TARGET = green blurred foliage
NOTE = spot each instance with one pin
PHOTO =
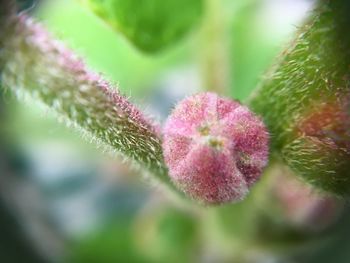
(248, 225)
(165, 235)
(151, 25)
(252, 50)
(111, 244)
(106, 51)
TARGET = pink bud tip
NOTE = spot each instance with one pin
(215, 148)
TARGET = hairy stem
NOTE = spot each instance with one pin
(305, 100)
(35, 64)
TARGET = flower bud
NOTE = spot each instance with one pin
(215, 148)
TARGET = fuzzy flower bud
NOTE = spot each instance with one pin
(215, 148)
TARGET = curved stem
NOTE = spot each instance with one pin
(37, 65)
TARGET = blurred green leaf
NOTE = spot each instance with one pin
(150, 25)
(107, 52)
(252, 49)
(112, 244)
(167, 235)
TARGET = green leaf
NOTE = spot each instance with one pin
(151, 25)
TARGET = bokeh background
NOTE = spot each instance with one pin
(64, 200)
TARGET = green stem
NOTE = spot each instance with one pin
(214, 62)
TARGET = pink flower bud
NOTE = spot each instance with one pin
(215, 148)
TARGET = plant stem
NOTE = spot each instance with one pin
(305, 100)
(214, 62)
(38, 66)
